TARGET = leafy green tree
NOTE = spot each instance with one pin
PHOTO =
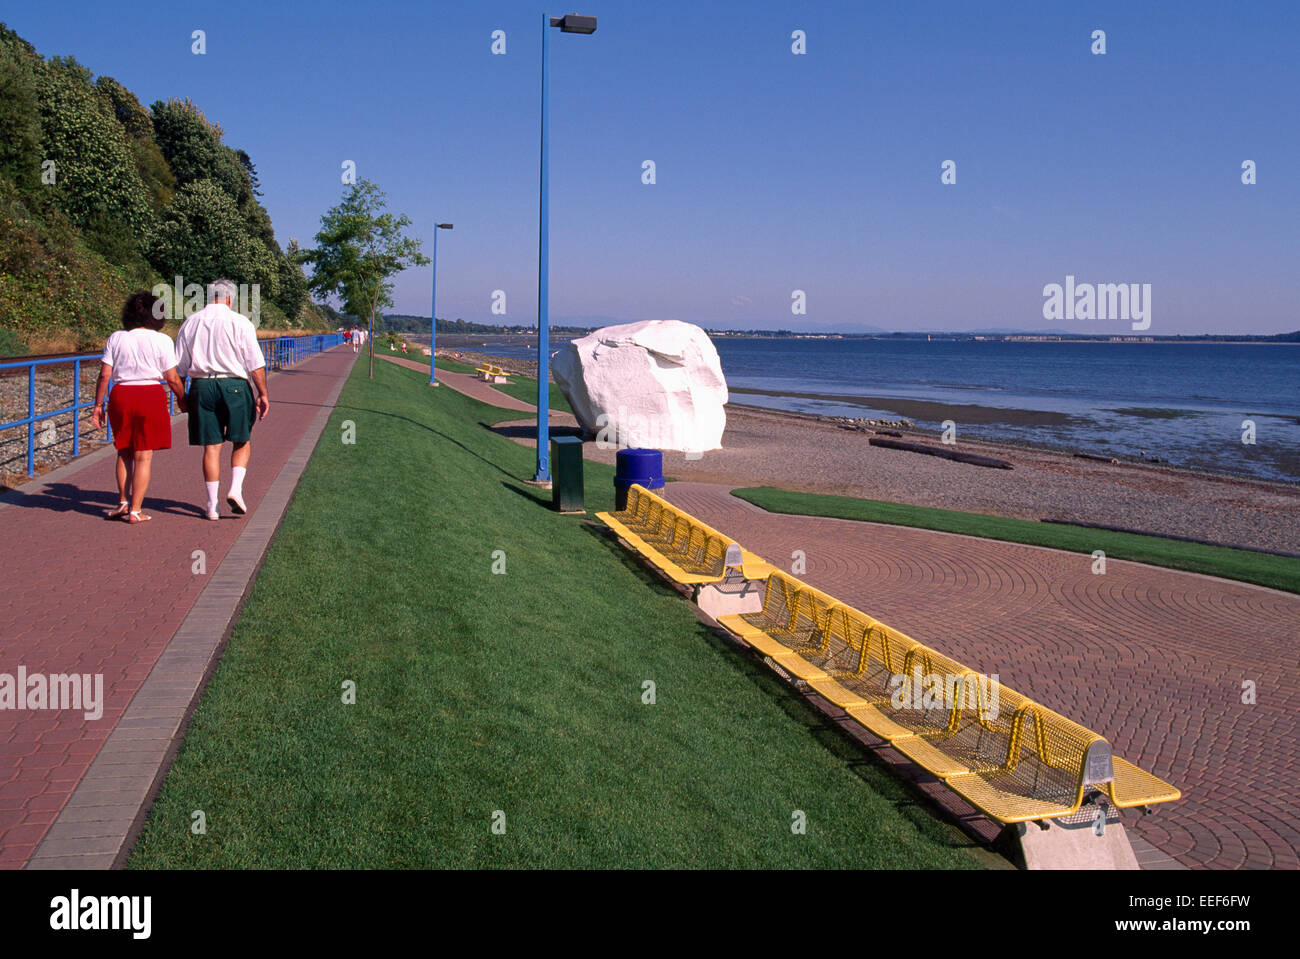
(359, 248)
(96, 175)
(201, 237)
(293, 284)
(193, 149)
(138, 124)
(20, 114)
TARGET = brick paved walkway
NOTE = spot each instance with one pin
(81, 595)
(1153, 659)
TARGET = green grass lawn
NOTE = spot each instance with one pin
(478, 692)
(1280, 572)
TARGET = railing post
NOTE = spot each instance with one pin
(76, 407)
(31, 420)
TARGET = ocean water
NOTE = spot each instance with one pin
(1179, 403)
(1182, 403)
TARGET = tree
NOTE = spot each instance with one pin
(20, 116)
(293, 285)
(201, 238)
(193, 149)
(359, 248)
(96, 171)
(135, 120)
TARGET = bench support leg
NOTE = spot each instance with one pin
(1064, 847)
(715, 602)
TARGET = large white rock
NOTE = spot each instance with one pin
(656, 385)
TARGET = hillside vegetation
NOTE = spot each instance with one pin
(100, 197)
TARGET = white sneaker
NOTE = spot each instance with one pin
(212, 514)
(236, 501)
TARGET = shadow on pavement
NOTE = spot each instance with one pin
(66, 498)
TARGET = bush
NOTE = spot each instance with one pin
(50, 280)
(11, 344)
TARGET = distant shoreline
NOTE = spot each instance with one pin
(997, 426)
(1107, 339)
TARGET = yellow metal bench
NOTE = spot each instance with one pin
(686, 550)
(1010, 757)
(792, 618)
(492, 374)
(1051, 766)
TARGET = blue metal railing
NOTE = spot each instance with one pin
(279, 352)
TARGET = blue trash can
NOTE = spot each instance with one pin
(643, 467)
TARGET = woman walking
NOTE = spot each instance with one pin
(141, 358)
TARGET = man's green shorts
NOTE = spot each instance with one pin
(221, 409)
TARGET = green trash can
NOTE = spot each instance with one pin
(566, 474)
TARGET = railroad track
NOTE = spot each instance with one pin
(21, 371)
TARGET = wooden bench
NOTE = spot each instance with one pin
(1011, 758)
(685, 550)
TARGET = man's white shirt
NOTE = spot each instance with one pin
(217, 341)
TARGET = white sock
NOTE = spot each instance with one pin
(212, 496)
(237, 479)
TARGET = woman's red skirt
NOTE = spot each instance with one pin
(138, 414)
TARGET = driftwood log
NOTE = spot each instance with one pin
(943, 452)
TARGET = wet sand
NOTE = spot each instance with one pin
(965, 413)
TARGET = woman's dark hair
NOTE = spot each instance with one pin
(140, 311)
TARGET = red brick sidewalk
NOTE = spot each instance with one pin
(1153, 659)
(81, 595)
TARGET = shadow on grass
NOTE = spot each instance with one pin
(534, 494)
(521, 432)
(430, 429)
(625, 558)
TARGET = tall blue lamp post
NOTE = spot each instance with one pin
(433, 307)
(570, 23)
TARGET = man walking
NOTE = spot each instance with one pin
(217, 348)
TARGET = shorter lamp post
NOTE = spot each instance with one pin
(433, 307)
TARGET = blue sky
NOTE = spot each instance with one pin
(775, 171)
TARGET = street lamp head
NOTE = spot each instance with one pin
(443, 226)
(572, 23)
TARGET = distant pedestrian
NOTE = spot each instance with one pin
(139, 358)
(356, 339)
(218, 349)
